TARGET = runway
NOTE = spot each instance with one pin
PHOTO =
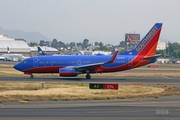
(146, 80)
(147, 109)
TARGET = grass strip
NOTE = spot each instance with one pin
(54, 91)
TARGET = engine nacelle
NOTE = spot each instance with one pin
(67, 72)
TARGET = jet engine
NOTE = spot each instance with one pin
(67, 72)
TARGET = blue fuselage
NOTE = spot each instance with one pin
(52, 64)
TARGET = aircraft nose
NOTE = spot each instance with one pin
(17, 66)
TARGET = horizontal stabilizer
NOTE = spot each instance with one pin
(150, 57)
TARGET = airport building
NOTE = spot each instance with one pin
(15, 46)
(162, 45)
(19, 46)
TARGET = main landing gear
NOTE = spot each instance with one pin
(88, 76)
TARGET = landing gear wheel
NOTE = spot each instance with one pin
(32, 76)
(88, 76)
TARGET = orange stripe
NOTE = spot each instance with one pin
(150, 53)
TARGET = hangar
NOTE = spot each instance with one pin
(19, 46)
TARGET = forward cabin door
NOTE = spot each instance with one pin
(35, 62)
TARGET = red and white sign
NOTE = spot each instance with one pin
(111, 86)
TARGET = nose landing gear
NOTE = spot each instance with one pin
(32, 76)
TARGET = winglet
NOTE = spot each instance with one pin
(113, 57)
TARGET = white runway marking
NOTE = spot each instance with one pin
(167, 77)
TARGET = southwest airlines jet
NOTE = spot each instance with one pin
(73, 65)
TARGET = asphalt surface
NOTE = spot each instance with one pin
(167, 108)
(146, 80)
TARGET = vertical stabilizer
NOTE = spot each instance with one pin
(147, 46)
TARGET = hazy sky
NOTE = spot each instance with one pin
(97, 20)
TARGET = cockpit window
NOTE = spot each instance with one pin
(24, 61)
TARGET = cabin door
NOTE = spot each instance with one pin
(35, 62)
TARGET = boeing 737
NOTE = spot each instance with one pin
(73, 65)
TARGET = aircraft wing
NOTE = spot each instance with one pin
(88, 66)
(150, 57)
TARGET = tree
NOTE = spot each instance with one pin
(100, 44)
(33, 44)
(173, 50)
(175, 53)
(96, 43)
(162, 52)
(61, 44)
(122, 44)
(85, 43)
(54, 43)
(72, 44)
(41, 43)
(104, 48)
(79, 44)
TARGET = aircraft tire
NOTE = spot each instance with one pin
(31, 77)
(88, 76)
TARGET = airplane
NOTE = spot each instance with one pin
(41, 52)
(5, 58)
(11, 57)
(2, 58)
(73, 65)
